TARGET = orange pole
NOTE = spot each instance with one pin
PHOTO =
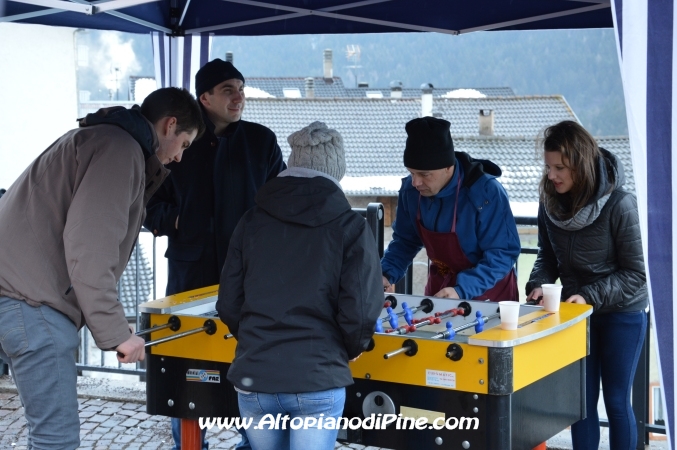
(190, 435)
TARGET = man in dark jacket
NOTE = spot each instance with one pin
(200, 203)
(202, 200)
(301, 291)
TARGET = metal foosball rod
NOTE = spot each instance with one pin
(174, 324)
(209, 328)
(414, 326)
(449, 334)
(426, 306)
(477, 323)
(409, 348)
(463, 309)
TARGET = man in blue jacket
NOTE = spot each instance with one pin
(453, 205)
(203, 199)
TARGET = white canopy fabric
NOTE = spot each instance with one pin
(177, 59)
(647, 51)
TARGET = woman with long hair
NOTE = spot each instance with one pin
(589, 238)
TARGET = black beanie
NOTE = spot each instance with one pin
(215, 72)
(429, 145)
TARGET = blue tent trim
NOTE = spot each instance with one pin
(254, 18)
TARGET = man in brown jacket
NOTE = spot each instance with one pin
(69, 224)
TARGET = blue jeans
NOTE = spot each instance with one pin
(39, 345)
(615, 344)
(297, 407)
(176, 434)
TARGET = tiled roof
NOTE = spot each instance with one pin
(276, 85)
(373, 129)
(518, 158)
(127, 286)
(437, 92)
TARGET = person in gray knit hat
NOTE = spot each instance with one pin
(317, 148)
(301, 263)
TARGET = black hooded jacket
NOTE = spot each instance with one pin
(209, 191)
(301, 288)
(599, 257)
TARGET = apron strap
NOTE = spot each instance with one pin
(458, 188)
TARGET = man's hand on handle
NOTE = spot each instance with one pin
(132, 350)
(387, 287)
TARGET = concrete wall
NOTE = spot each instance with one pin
(38, 100)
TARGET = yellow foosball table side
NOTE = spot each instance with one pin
(512, 389)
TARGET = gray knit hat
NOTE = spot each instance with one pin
(319, 148)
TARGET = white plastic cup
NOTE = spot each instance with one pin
(510, 312)
(552, 296)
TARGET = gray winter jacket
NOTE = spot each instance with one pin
(597, 255)
(70, 221)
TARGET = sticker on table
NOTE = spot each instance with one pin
(440, 378)
(203, 376)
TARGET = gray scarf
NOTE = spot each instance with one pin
(591, 211)
(583, 218)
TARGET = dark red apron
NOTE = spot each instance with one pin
(447, 259)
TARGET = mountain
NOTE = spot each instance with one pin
(582, 65)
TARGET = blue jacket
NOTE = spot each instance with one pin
(210, 190)
(484, 224)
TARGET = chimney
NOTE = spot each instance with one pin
(229, 57)
(426, 100)
(310, 87)
(486, 122)
(396, 89)
(328, 66)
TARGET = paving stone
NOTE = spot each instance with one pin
(151, 446)
(124, 438)
(112, 421)
(147, 424)
(132, 406)
(92, 437)
(129, 423)
(141, 416)
(134, 431)
(95, 408)
(96, 402)
(98, 418)
(88, 425)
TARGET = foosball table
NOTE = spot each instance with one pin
(443, 372)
